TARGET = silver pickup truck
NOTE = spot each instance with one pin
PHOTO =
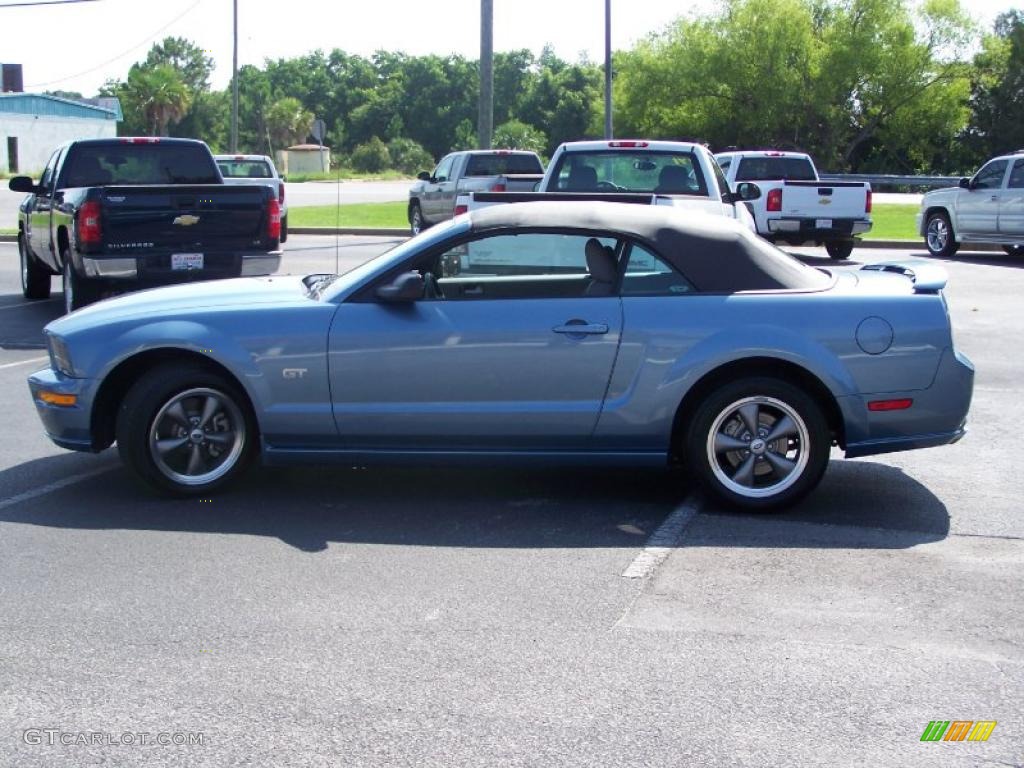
(432, 198)
(987, 208)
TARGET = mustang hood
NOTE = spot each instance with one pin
(189, 297)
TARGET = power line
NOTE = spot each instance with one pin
(44, 2)
(120, 55)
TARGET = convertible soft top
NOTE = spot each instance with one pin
(716, 254)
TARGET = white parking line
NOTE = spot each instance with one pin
(54, 486)
(664, 540)
(27, 304)
(23, 362)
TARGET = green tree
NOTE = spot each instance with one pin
(158, 97)
(288, 122)
(409, 157)
(997, 103)
(371, 157)
(517, 135)
(190, 61)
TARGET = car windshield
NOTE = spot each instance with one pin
(245, 169)
(124, 163)
(771, 168)
(660, 172)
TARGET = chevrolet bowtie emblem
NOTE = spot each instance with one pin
(825, 200)
(186, 221)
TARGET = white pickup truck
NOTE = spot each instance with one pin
(987, 208)
(795, 206)
(676, 173)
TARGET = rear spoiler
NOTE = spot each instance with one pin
(926, 276)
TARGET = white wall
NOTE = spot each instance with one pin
(39, 135)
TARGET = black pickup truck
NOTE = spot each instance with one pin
(119, 214)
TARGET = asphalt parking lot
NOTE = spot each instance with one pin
(443, 617)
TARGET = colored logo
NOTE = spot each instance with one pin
(958, 730)
(825, 201)
(186, 221)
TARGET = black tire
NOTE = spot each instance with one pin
(1014, 250)
(802, 447)
(416, 221)
(146, 419)
(77, 292)
(839, 250)
(35, 278)
(284, 229)
(938, 236)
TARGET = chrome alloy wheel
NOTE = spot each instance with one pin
(197, 436)
(758, 447)
(937, 234)
(23, 255)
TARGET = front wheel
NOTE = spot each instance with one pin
(185, 430)
(758, 444)
(416, 221)
(35, 278)
(938, 236)
(1014, 250)
(839, 249)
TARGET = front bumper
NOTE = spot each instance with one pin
(938, 415)
(68, 426)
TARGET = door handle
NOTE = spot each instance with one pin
(581, 328)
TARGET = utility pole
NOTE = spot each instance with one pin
(608, 69)
(234, 87)
(485, 122)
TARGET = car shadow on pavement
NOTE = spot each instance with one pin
(22, 324)
(309, 508)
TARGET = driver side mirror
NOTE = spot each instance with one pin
(965, 183)
(23, 184)
(748, 191)
(406, 287)
(423, 175)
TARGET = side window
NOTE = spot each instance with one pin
(444, 169)
(991, 175)
(1017, 175)
(648, 275)
(723, 183)
(46, 180)
(527, 265)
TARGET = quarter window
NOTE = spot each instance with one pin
(649, 275)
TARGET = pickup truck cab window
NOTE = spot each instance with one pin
(94, 165)
(668, 173)
(444, 169)
(46, 180)
(502, 164)
(991, 175)
(1017, 175)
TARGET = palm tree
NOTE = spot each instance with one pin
(160, 95)
(288, 121)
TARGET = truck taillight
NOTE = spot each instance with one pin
(274, 220)
(141, 140)
(774, 199)
(867, 202)
(90, 230)
(280, 193)
(499, 187)
(461, 209)
(627, 144)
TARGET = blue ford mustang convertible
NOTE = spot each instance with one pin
(544, 332)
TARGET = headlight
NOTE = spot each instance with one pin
(60, 358)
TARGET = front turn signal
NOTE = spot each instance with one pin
(56, 398)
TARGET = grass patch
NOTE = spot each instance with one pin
(347, 174)
(893, 221)
(350, 215)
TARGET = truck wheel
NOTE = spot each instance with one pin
(77, 292)
(416, 222)
(938, 236)
(1014, 250)
(35, 278)
(185, 430)
(758, 444)
(839, 249)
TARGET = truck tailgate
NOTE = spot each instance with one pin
(824, 200)
(207, 217)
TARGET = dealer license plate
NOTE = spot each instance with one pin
(186, 261)
(823, 223)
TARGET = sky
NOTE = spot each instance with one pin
(79, 47)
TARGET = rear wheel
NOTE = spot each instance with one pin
(77, 292)
(185, 430)
(1014, 250)
(416, 222)
(35, 278)
(758, 444)
(284, 229)
(839, 249)
(938, 236)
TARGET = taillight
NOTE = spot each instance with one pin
(141, 140)
(280, 193)
(867, 202)
(890, 405)
(499, 187)
(774, 199)
(90, 231)
(274, 220)
(461, 209)
(627, 144)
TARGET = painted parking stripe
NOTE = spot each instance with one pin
(24, 362)
(25, 304)
(51, 487)
(663, 540)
